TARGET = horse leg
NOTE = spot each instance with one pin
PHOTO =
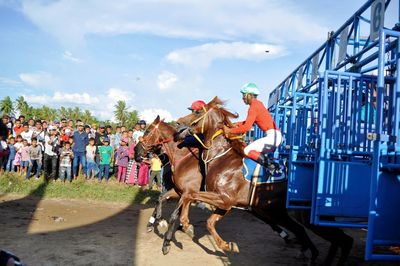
(282, 233)
(184, 217)
(337, 238)
(286, 221)
(214, 218)
(156, 215)
(171, 230)
(334, 235)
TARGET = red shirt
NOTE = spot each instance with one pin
(18, 130)
(257, 114)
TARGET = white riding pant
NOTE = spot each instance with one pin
(269, 143)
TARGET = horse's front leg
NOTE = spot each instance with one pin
(156, 215)
(171, 229)
(211, 222)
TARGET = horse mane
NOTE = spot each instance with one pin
(237, 144)
(218, 104)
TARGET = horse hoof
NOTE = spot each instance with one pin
(190, 231)
(234, 247)
(163, 223)
(165, 249)
(149, 229)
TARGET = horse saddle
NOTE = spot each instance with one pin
(258, 174)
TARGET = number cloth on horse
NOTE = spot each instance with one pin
(254, 172)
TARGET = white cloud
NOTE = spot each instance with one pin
(63, 98)
(259, 20)
(68, 56)
(38, 79)
(203, 55)
(101, 106)
(116, 94)
(150, 114)
(166, 80)
(113, 95)
(9, 82)
(78, 98)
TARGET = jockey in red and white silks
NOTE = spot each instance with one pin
(259, 115)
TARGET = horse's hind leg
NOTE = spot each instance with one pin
(184, 217)
(337, 238)
(282, 233)
(156, 215)
(286, 221)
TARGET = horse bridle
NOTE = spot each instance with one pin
(161, 139)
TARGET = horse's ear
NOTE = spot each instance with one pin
(163, 119)
(214, 100)
(157, 119)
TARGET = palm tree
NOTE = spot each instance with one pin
(21, 105)
(70, 113)
(6, 106)
(120, 112)
(63, 113)
(87, 117)
(132, 119)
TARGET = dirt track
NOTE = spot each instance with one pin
(69, 232)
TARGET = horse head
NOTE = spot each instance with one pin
(157, 133)
(212, 117)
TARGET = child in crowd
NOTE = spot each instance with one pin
(35, 158)
(123, 157)
(66, 156)
(106, 153)
(11, 156)
(155, 172)
(4, 152)
(92, 168)
(17, 160)
(24, 157)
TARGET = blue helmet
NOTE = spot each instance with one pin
(250, 88)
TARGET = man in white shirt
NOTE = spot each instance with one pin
(27, 133)
(50, 155)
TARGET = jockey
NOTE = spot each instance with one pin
(191, 141)
(259, 115)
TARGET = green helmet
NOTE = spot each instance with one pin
(250, 88)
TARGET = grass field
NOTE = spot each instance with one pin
(78, 189)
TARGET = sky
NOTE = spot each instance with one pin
(158, 56)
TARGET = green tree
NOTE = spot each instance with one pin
(132, 119)
(6, 106)
(87, 117)
(62, 112)
(120, 112)
(22, 106)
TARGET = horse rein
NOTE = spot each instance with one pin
(163, 142)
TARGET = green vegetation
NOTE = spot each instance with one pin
(79, 189)
(20, 106)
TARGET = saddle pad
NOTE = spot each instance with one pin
(254, 172)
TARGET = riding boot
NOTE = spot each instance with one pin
(263, 160)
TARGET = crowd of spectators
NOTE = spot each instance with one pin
(66, 150)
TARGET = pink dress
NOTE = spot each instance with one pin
(132, 166)
(143, 176)
(17, 159)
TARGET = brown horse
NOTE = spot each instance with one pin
(227, 188)
(186, 178)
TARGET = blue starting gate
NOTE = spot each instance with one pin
(341, 126)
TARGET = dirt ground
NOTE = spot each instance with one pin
(71, 232)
